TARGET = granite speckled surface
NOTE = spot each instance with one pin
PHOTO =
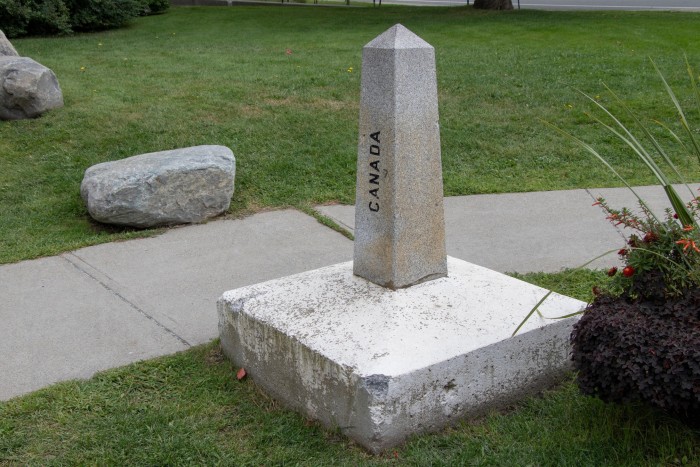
(399, 219)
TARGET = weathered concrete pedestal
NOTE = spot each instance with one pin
(382, 365)
(402, 340)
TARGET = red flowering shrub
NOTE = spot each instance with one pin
(662, 258)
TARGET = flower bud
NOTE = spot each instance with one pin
(650, 237)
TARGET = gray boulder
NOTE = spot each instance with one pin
(161, 188)
(6, 47)
(27, 88)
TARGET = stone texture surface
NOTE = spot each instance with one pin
(27, 88)
(381, 365)
(6, 47)
(400, 235)
(161, 188)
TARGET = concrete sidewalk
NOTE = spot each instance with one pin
(73, 315)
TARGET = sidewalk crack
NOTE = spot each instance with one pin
(76, 261)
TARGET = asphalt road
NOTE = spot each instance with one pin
(668, 5)
(675, 5)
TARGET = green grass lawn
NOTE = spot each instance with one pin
(189, 409)
(221, 76)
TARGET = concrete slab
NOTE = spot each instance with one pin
(523, 232)
(381, 365)
(178, 276)
(59, 324)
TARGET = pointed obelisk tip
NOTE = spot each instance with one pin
(399, 218)
(398, 37)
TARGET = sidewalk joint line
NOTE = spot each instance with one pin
(71, 258)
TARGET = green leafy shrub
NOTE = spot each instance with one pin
(155, 7)
(50, 17)
(95, 15)
(14, 17)
(639, 349)
(47, 17)
(36, 17)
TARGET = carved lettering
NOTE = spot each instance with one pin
(374, 150)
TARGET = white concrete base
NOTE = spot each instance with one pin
(382, 365)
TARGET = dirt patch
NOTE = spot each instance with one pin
(215, 356)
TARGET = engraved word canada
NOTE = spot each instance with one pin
(374, 153)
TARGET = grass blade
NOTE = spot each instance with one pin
(595, 153)
(644, 154)
(696, 93)
(679, 109)
(684, 147)
(550, 292)
(641, 152)
(534, 309)
(693, 83)
(678, 206)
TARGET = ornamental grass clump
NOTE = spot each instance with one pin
(639, 339)
(662, 255)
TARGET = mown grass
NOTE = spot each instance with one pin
(222, 76)
(189, 408)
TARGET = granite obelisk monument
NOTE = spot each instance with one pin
(399, 216)
(390, 344)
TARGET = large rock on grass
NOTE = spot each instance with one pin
(161, 188)
(6, 47)
(27, 88)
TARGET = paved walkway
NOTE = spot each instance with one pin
(81, 312)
